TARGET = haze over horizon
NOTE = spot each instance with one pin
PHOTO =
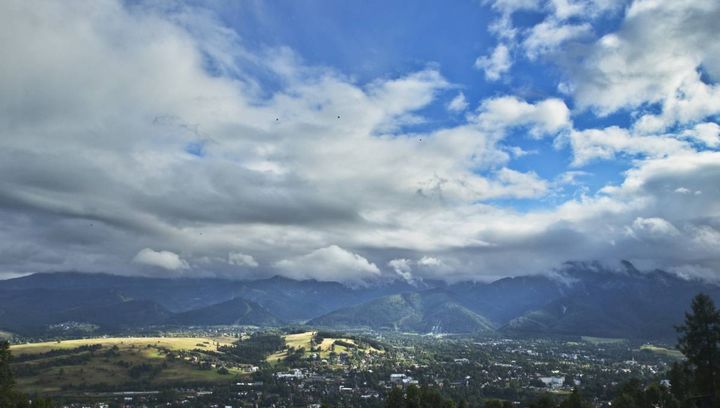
(328, 141)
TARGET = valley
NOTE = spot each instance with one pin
(224, 365)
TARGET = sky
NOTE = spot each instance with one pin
(358, 141)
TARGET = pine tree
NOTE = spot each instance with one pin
(412, 398)
(7, 383)
(395, 399)
(680, 376)
(699, 343)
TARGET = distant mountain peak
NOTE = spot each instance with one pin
(629, 267)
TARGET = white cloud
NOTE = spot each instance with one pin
(240, 259)
(161, 259)
(591, 144)
(654, 57)
(517, 151)
(547, 36)
(268, 179)
(435, 267)
(426, 266)
(331, 263)
(693, 100)
(402, 267)
(511, 6)
(566, 9)
(96, 172)
(495, 64)
(653, 228)
(570, 177)
(707, 133)
(458, 103)
(544, 117)
(564, 20)
(429, 261)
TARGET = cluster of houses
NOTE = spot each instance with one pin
(402, 379)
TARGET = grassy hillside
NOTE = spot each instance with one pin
(171, 343)
(307, 341)
(674, 353)
(108, 363)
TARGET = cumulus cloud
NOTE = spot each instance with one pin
(429, 261)
(547, 36)
(153, 126)
(511, 6)
(653, 227)
(706, 133)
(414, 270)
(543, 117)
(124, 109)
(564, 21)
(566, 9)
(402, 267)
(605, 143)
(654, 57)
(331, 263)
(161, 259)
(240, 259)
(495, 64)
(458, 103)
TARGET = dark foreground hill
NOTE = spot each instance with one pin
(578, 299)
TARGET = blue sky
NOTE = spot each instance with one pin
(384, 39)
(380, 39)
(359, 141)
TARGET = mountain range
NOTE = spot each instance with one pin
(579, 299)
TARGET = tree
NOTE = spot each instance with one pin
(680, 376)
(412, 397)
(698, 341)
(633, 394)
(395, 399)
(575, 400)
(545, 401)
(7, 383)
(430, 397)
